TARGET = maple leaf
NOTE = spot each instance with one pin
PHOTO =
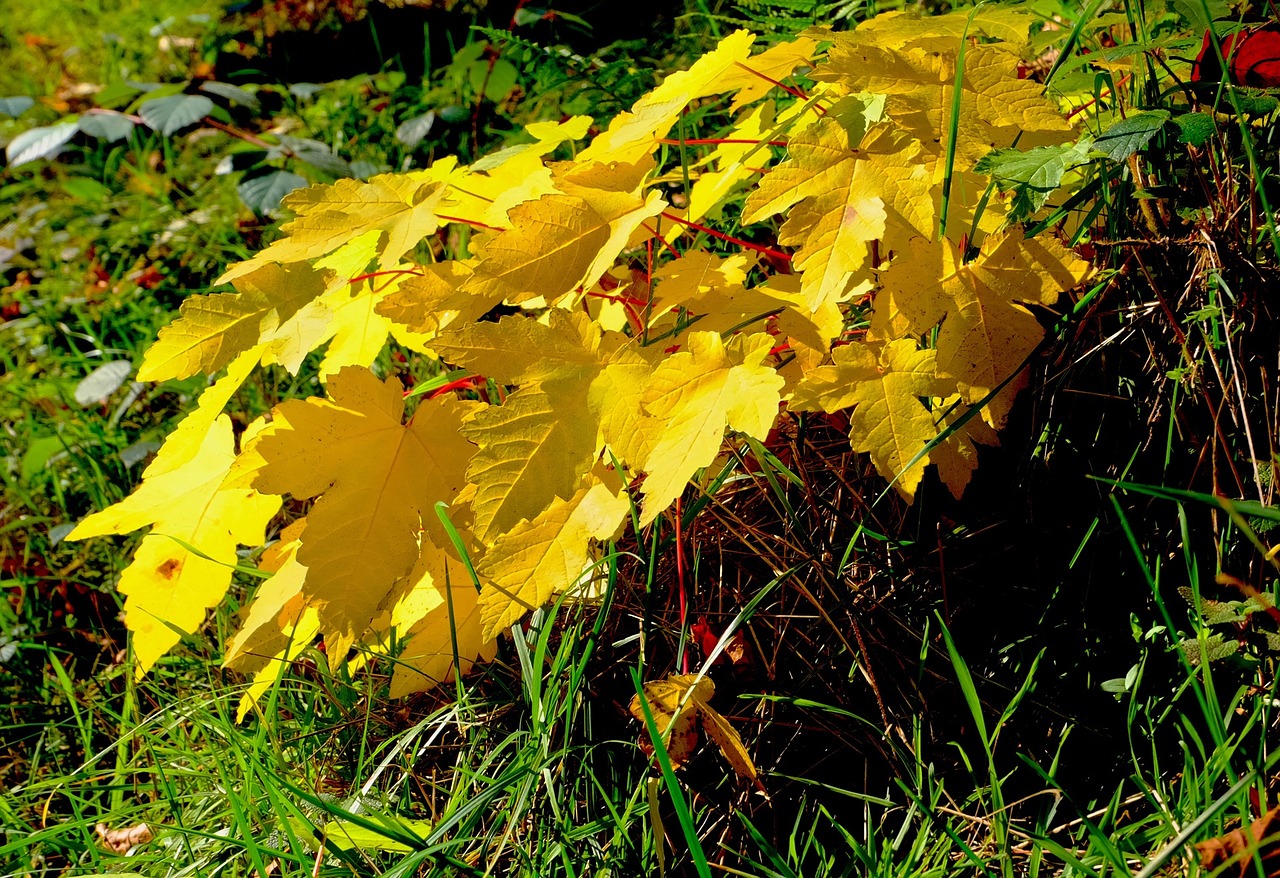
(432, 300)
(996, 107)
(635, 133)
(956, 457)
(578, 390)
(279, 625)
(184, 443)
(377, 482)
(183, 566)
(675, 703)
(986, 333)
(538, 444)
(428, 657)
(885, 386)
(546, 253)
(742, 144)
(696, 394)
(542, 557)
(401, 208)
(755, 77)
(212, 330)
(908, 28)
(843, 194)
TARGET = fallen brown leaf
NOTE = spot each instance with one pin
(1237, 848)
(119, 841)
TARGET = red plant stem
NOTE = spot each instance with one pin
(684, 603)
(371, 275)
(458, 384)
(233, 131)
(789, 89)
(665, 243)
(707, 141)
(467, 222)
(1090, 103)
(759, 248)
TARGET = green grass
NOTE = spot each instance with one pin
(956, 755)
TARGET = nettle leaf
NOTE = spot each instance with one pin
(1123, 138)
(171, 114)
(1195, 129)
(410, 132)
(1034, 175)
(39, 143)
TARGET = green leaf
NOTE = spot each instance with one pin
(107, 126)
(102, 382)
(232, 93)
(1124, 138)
(15, 106)
(175, 112)
(1033, 175)
(39, 143)
(262, 194)
(411, 131)
(316, 154)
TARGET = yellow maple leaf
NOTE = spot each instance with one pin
(277, 605)
(432, 300)
(635, 133)
(986, 332)
(548, 555)
(579, 390)
(168, 586)
(674, 703)
(182, 445)
(996, 107)
(885, 386)
(755, 77)
(547, 252)
(279, 625)
(909, 28)
(377, 482)
(842, 195)
(738, 158)
(428, 658)
(400, 207)
(696, 394)
(212, 330)
(956, 457)
(537, 445)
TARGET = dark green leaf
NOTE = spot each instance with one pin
(1033, 175)
(262, 194)
(411, 131)
(1127, 136)
(232, 93)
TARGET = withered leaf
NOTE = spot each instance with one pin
(1236, 849)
